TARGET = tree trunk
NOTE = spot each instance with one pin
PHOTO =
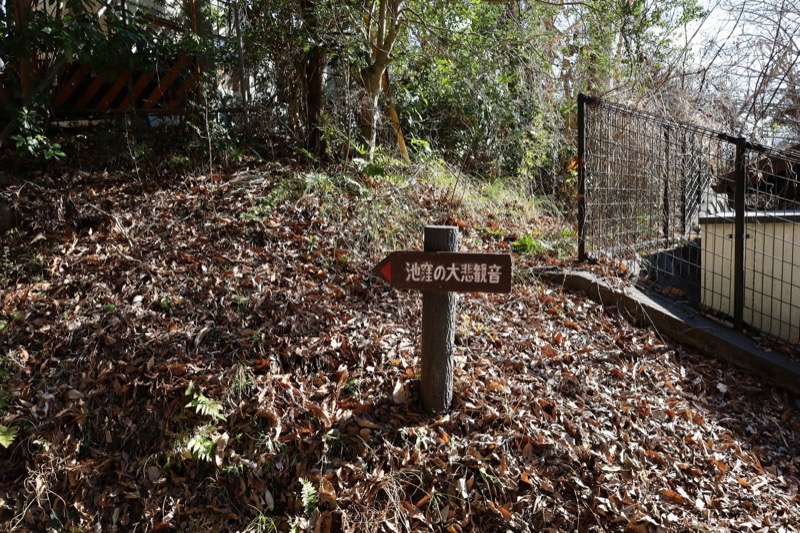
(6, 217)
(316, 62)
(371, 77)
(21, 12)
(382, 28)
(398, 131)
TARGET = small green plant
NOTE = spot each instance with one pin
(296, 525)
(8, 364)
(373, 169)
(31, 137)
(257, 212)
(309, 495)
(290, 188)
(7, 435)
(557, 243)
(242, 304)
(489, 479)
(203, 405)
(267, 440)
(497, 233)
(233, 471)
(565, 241)
(202, 447)
(528, 245)
(350, 387)
(178, 160)
(202, 444)
(257, 340)
(241, 384)
(437, 501)
(5, 399)
(421, 148)
(8, 264)
(261, 524)
(341, 445)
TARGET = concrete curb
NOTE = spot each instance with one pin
(680, 325)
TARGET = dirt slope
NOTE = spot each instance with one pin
(211, 354)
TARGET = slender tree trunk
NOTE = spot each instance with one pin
(316, 62)
(381, 33)
(21, 11)
(371, 77)
(398, 131)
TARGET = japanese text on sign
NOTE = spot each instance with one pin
(447, 271)
(458, 272)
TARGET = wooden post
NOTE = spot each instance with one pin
(440, 272)
(438, 329)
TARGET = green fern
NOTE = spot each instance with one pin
(202, 447)
(203, 405)
(7, 435)
(308, 495)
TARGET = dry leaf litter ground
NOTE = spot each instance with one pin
(120, 295)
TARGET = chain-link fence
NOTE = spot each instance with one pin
(696, 214)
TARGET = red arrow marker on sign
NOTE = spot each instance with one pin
(385, 269)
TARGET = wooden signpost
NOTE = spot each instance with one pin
(439, 272)
(447, 271)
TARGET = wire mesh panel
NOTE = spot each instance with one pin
(695, 213)
(645, 178)
(772, 244)
(646, 183)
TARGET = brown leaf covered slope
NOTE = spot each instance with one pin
(212, 356)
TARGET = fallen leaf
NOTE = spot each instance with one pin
(153, 473)
(674, 497)
(399, 395)
(327, 493)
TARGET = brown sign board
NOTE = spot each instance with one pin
(447, 271)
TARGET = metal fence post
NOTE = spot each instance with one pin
(665, 200)
(581, 176)
(683, 177)
(740, 189)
